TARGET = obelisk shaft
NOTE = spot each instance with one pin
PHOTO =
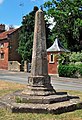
(39, 81)
(39, 56)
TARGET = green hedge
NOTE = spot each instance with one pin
(70, 70)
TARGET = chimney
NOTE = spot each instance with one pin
(2, 28)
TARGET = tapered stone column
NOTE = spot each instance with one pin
(39, 57)
(39, 81)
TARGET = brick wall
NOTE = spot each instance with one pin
(13, 45)
(10, 49)
(52, 66)
(4, 50)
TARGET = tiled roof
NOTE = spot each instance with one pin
(3, 35)
(57, 47)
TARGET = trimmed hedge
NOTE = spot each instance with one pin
(70, 70)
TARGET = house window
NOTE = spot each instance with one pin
(1, 45)
(51, 58)
(2, 56)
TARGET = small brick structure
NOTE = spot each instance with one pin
(53, 55)
(52, 63)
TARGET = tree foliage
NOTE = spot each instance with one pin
(68, 17)
(75, 57)
(27, 33)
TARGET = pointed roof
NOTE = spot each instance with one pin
(57, 47)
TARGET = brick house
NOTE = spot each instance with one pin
(52, 56)
(8, 46)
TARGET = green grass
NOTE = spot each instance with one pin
(6, 87)
(5, 115)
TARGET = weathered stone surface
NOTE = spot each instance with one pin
(39, 69)
(39, 85)
(39, 56)
(25, 66)
(39, 80)
(42, 99)
(58, 107)
(39, 91)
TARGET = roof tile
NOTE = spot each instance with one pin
(3, 35)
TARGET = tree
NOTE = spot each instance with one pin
(67, 15)
(27, 33)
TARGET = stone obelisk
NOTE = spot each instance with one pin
(40, 97)
(39, 57)
(39, 81)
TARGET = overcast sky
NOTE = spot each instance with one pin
(11, 11)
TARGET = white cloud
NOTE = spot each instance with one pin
(15, 26)
(7, 27)
(1, 1)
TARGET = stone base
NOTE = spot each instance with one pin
(54, 104)
(39, 91)
(39, 85)
(39, 80)
(59, 97)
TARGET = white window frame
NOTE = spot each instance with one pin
(1, 45)
(51, 60)
(2, 58)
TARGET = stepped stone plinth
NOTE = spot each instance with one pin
(40, 97)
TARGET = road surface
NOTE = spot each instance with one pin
(57, 82)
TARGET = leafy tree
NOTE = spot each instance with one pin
(27, 33)
(75, 57)
(67, 15)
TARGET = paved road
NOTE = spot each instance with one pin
(67, 83)
(57, 82)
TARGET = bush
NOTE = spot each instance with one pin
(70, 65)
(67, 70)
(79, 64)
(80, 71)
(68, 58)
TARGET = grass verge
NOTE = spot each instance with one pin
(7, 87)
